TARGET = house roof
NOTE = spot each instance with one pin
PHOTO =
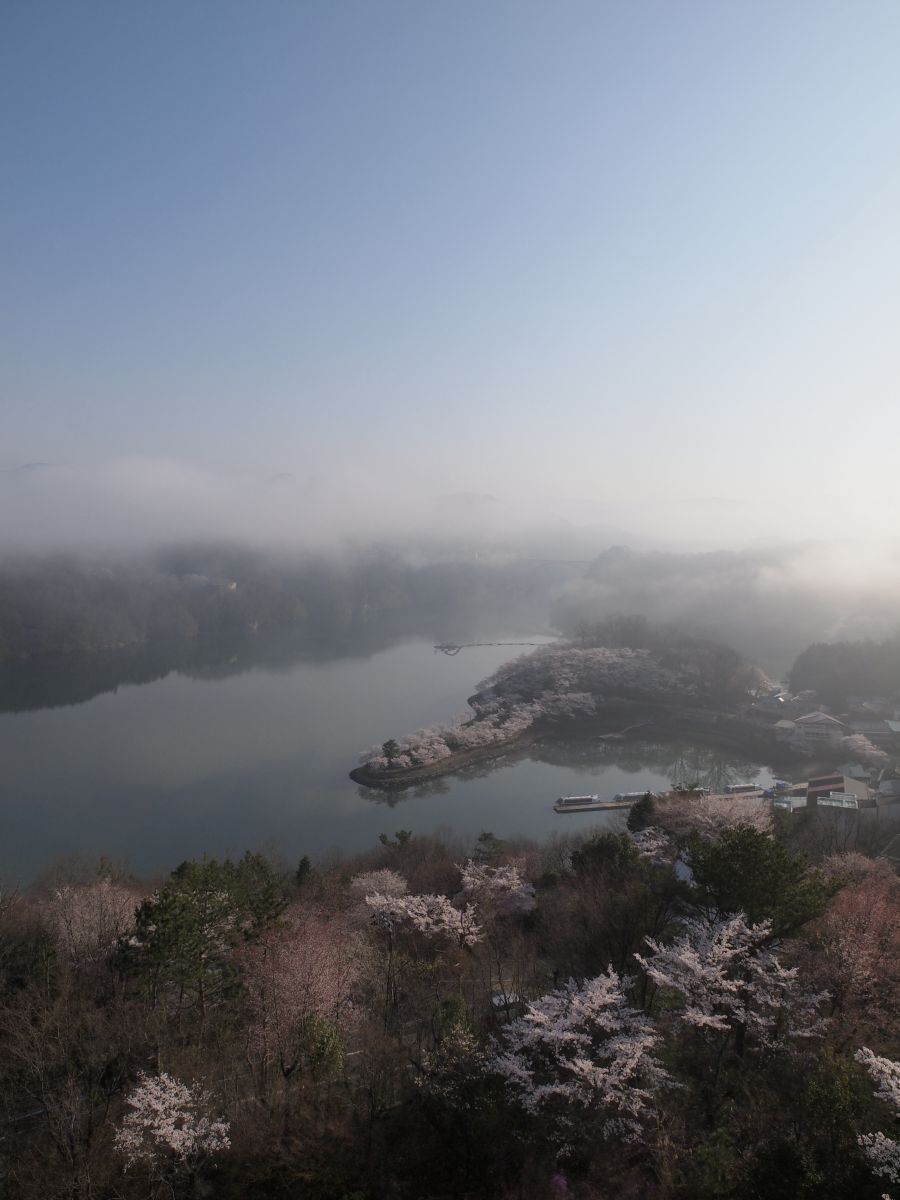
(819, 718)
(875, 727)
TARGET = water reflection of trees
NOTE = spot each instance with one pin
(682, 763)
(440, 785)
(53, 681)
(710, 768)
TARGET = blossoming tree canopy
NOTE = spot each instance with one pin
(385, 881)
(882, 1152)
(499, 890)
(297, 977)
(730, 979)
(584, 1046)
(168, 1119)
(433, 916)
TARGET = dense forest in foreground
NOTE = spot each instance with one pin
(583, 1018)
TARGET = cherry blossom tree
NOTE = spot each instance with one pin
(882, 1152)
(87, 921)
(433, 916)
(501, 894)
(855, 946)
(852, 867)
(730, 980)
(681, 814)
(652, 843)
(169, 1122)
(298, 976)
(599, 671)
(386, 882)
(859, 746)
(498, 891)
(584, 1047)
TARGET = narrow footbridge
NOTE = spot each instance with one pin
(451, 648)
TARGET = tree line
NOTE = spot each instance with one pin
(77, 605)
(837, 670)
(701, 1006)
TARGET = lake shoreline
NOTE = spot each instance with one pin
(406, 777)
(726, 731)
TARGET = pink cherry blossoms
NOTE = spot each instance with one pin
(385, 882)
(434, 916)
(597, 671)
(652, 843)
(583, 1046)
(730, 979)
(866, 751)
(168, 1120)
(500, 891)
(882, 1152)
(427, 746)
(681, 814)
(295, 975)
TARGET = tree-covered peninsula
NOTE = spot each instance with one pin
(562, 683)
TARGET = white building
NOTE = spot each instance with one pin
(818, 729)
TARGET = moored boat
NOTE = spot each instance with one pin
(589, 803)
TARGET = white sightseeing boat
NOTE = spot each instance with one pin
(589, 803)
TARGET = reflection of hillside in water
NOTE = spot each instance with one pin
(680, 762)
(55, 681)
(710, 769)
(395, 796)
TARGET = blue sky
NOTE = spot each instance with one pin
(639, 260)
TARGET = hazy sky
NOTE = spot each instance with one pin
(635, 260)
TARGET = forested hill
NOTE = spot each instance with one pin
(837, 670)
(766, 602)
(70, 605)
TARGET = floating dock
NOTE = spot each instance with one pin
(566, 804)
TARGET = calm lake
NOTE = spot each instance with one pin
(158, 772)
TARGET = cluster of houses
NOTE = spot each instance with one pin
(839, 791)
(813, 728)
(869, 729)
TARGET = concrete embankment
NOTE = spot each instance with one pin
(410, 776)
